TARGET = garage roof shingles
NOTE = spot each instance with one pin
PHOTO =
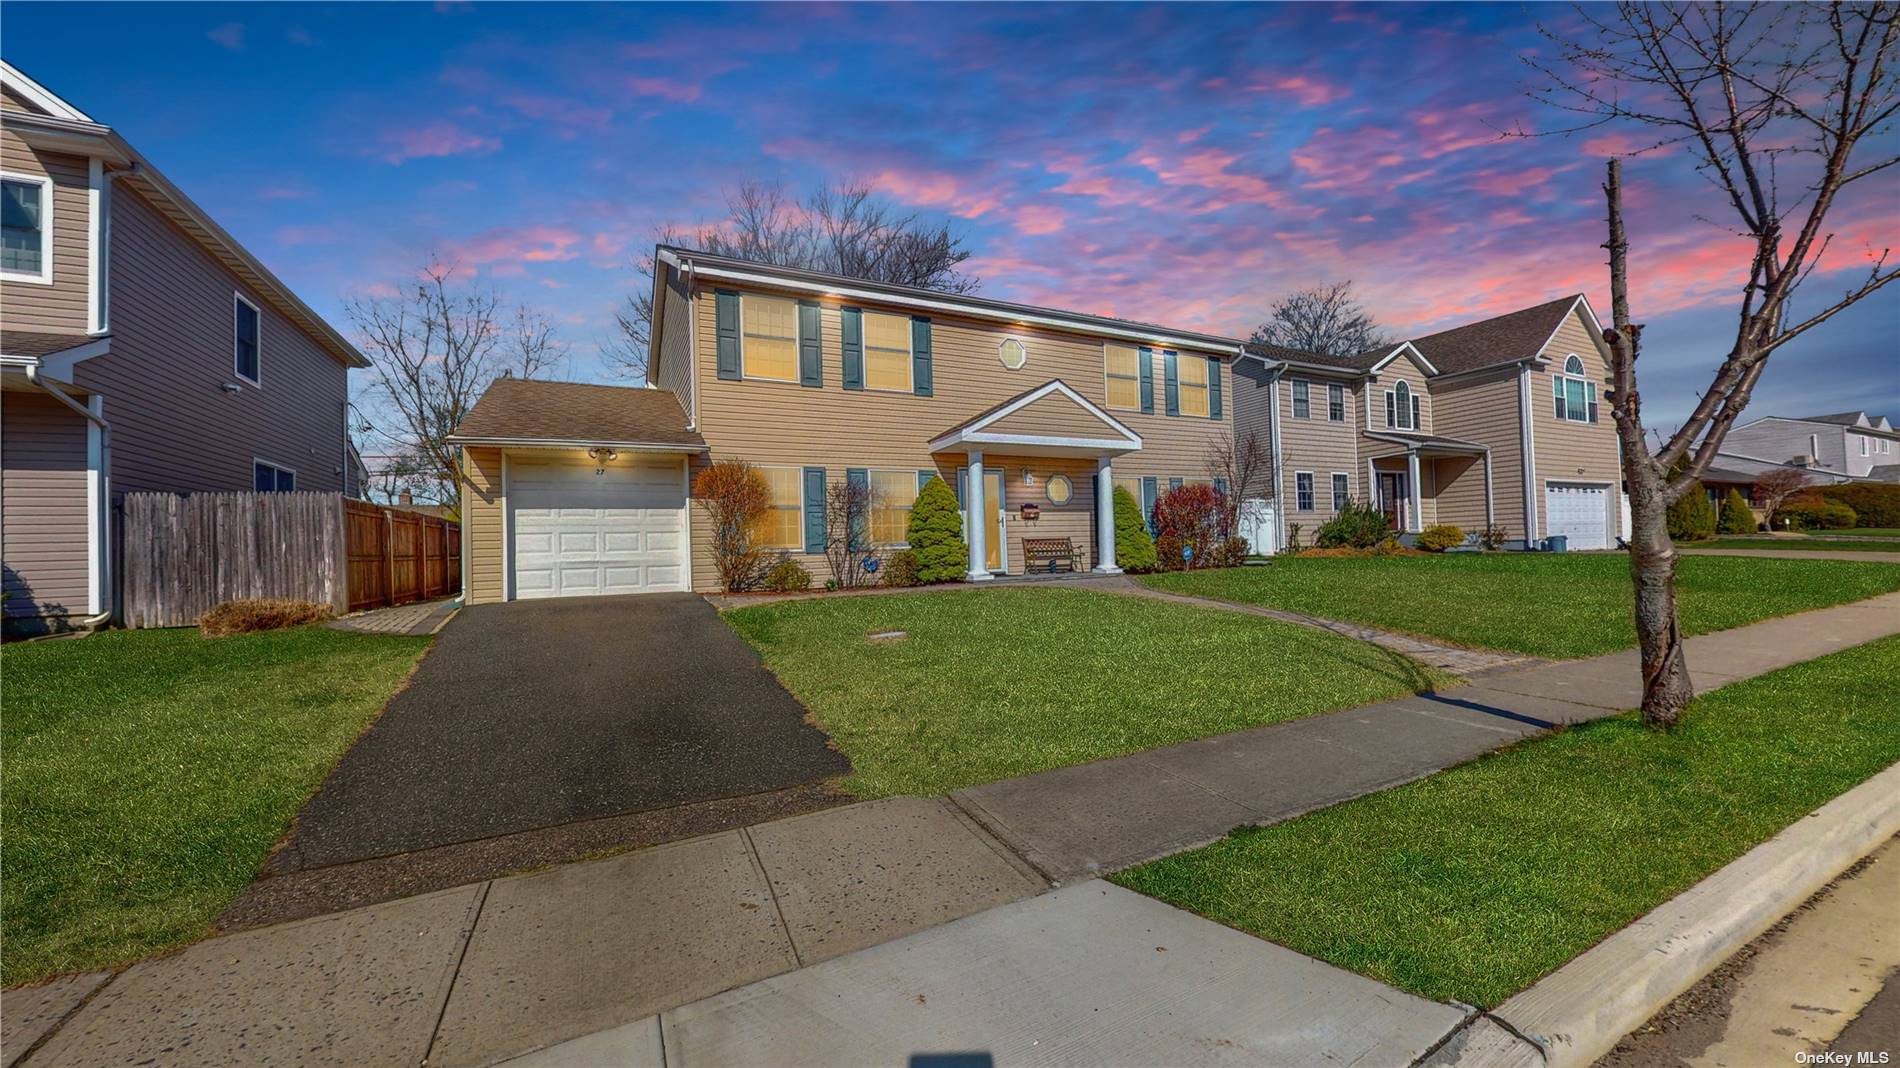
(519, 409)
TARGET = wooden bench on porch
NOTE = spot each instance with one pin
(1048, 551)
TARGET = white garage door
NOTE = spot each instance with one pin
(1580, 512)
(577, 532)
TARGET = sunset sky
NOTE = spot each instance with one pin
(1183, 164)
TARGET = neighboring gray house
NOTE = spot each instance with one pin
(1849, 445)
(141, 348)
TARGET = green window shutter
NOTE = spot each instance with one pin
(814, 509)
(1148, 497)
(726, 309)
(920, 356)
(852, 322)
(1175, 483)
(1172, 372)
(1147, 381)
(859, 479)
(1220, 486)
(1557, 397)
(811, 355)
(1593, 401)
(923, 479)
(1213, 387)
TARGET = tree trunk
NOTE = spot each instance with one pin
(1666, 685)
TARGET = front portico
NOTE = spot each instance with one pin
(1428, 480)
(1049, 448)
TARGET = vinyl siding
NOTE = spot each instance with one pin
(482, 530)
(59, 308)
(1484, 408)
(174, 426)
(1321, 446)
(1565, 451)
(43, 539)
(1781, 440)
(674, 371)
(1399, 370)
(786, 424)
(1054, 415)
(11, 102)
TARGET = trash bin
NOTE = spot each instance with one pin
(1557, 543)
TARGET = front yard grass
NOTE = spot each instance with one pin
(1842, 545)
(990, 684)
(1471, 884)
(1560, 605)
(148, 773)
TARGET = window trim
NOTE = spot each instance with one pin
(1107, 403)
(1312, 492)
(870, 476)
(910, 352)
(1335, 391)
(1301, 394)
(1341, 500)
(744, 375)
(281, 469)
(1182, 385)
(1408, 414)
(799, 509)
(1863, 443)
(1049, 483)
(1586, 389)
(44, 277)
(257, 315)
(1020, 344)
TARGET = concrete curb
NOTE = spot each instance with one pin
(1580, 1011)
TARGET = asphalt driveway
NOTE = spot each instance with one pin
(537, 713)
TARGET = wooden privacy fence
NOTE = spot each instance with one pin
(183, 553)
(396, 556)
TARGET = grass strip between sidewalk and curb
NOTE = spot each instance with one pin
(149, 773)
(1806, 545)
(1558, 605)
(1471, 884)
(990, 684)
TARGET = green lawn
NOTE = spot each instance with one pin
(1543, 604)
(1471, 884)
(1843, 545)
(1859, 532)
(148, 773)
(995, 683)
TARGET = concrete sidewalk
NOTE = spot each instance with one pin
(477, 974)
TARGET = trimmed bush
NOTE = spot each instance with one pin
(935, 534)
(1228, 552)
(1874, 504)
(1692, 517)
(1736, 518)
(902, 569)
(1491, 538)
(1357, 526)
(787, 576)
(1814, 512)
(1436, 539)
(270, 613)
(1134, 548)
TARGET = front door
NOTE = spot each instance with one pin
(993, 547)
(1392, 497)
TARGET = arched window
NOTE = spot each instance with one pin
(1573, 396)
(1403, 395)
(1573, 365)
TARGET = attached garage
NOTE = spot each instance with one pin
(575, 490)
(1580, 511)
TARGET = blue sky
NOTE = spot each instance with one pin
(1184, 164)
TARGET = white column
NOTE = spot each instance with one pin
(1105, 517)
(1415, 521)
(974, 504)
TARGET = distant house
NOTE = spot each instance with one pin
(142, 348)
(1845, 446)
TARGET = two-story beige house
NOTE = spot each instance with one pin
(141, 348)
(1491, 424)
(819, 379)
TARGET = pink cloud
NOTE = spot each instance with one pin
(1310, 90)
(1038, 219)
(935, 189)
(664, 88)
(1209, 169)
(508, 247)
(1512, 183)
(229, 36)
(561, 111)
(434, 139)
(1624, 144)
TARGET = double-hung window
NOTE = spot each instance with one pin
(1122, 366)
(271, 478)
(1303, 490)
(887, 352)
(770, 337)
(892, 494)
(1863, 443)
(246, 352)
(1573, 397)
(782, 526)
(26, 228)
(1336, 403)
(1192, 375)
(1401, 408)
(1302, 404)
(1342, 489)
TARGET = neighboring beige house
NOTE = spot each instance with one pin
(818, 379)
(1495, 423)
(141, 348)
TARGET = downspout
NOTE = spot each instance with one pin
(102, 544)
(1279, 471)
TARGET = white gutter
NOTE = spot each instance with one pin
(573, 443)
(98, 503)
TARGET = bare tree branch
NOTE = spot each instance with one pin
(1325, 320)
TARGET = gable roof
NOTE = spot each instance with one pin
(1856, 418)
(523, 411)
(1501, 339)
(1115, 434)
(59, 127)
(1299, 358)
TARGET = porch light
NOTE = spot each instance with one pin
(602, 456)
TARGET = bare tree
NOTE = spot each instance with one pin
(1326, 320)
(848, 531)
(1244, 462)
(1774, 488)
(1772, 103)
(435, 348)
(840, 228)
